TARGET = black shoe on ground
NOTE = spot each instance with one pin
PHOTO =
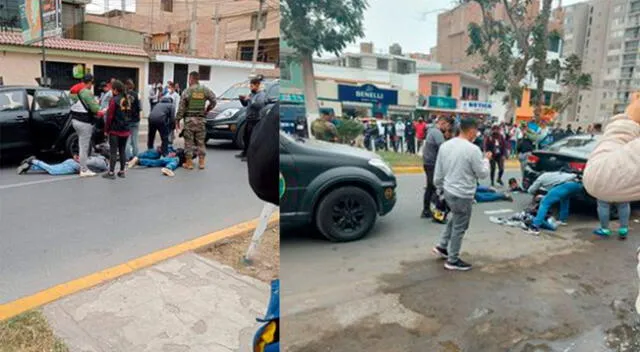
(240, 156)
(28, 160)
(426, 215)
(500, 183)
(121, 174)
(440, 252)
(109, 175)
(457, 265)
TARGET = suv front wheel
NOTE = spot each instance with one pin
(346, 214)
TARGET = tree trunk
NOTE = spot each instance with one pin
(510, 113)
(310, 92)
(541, 59)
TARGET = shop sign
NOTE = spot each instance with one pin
(40, 17)
(442, 102)
(479, 107)
(367, 93)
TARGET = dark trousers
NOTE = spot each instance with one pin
(117, 145)
(161, 128)
(500, 164)
(430, 191)
(411, 145)
(247, 134)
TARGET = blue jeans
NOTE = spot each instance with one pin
(132, 142)
(485, 194)
(67, 167)
(604, 214)
(559, 194)
(151, 158)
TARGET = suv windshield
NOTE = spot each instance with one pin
(569, 145)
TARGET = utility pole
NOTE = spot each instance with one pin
(44, 55)
(216, 21)
(255, 45)
(122, 8)
(193, 28)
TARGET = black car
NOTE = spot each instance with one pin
(226, 120)
(339, 189)
(570, 153)
(35, 119)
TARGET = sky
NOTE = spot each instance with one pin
(411, 23)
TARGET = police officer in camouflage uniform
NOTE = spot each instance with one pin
(323, 129)
(192, 110)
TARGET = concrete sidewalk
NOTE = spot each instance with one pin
(188, 303)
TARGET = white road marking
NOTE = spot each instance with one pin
(51, 180)
(499, 211)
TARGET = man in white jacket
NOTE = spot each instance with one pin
(459, 166)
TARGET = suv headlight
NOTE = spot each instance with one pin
(380, 164)
(226, 114)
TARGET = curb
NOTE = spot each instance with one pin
(21, 305)
(510, 165)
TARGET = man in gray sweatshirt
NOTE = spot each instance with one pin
(435, 138)
(459, 166)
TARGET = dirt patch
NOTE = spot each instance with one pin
(519, 305)
(230, 251)
(29, 332)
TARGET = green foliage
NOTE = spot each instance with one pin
(573, 80)
(317, 26)
(349, 129)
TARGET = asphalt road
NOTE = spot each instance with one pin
(388, 293)
(55, 229)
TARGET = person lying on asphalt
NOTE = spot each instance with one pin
(154, 158)
(562, 186)
(486, 194)
(95, 163)
(459, 165)
(613, 168)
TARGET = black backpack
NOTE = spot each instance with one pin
(263, 158)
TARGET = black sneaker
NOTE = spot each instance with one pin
(121, 174)
(28, 160)
(500, 183)
(457, 265)
(440, 252)
(532, 230)
(109, 175)
(241, 155)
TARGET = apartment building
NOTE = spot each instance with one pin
(201, 28)
(610, 43)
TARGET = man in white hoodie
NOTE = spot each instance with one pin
(459, 166)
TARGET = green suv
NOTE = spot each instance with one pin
(339, 189)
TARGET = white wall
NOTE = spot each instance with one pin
(382, 79)
(497, 107)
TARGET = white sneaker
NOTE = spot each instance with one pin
(87, 173)
(132, 163)
(561, 223)
(167, 172)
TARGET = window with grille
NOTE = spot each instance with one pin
(205, 73)
(441, 89)
(470, 93)
(166, 5)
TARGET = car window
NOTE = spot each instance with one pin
(574, 145)
(50, 99)
(12, 100)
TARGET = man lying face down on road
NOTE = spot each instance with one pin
(154, 158)
(71, 166)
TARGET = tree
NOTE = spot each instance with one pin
(504, 46)
(540, 67)
(319, 26)
(573, 80)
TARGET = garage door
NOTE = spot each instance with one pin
(105, 73)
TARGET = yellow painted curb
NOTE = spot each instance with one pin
(11, 309)
(403, 170)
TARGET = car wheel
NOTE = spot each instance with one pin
(71, 145)
(346, 214)
(239, 141)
